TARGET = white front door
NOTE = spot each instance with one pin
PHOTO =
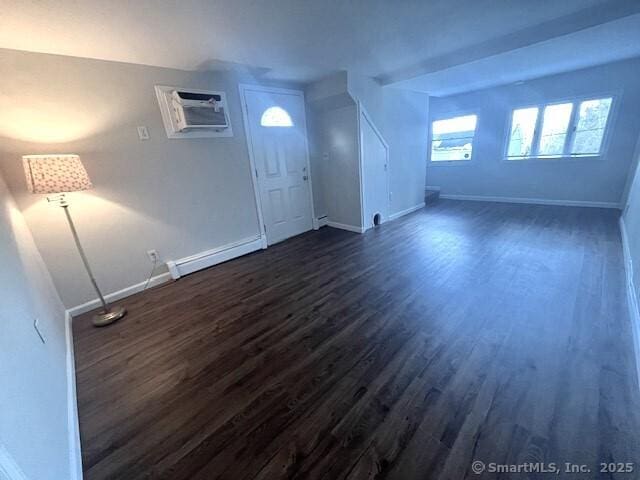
(375, 153)
(277, 139)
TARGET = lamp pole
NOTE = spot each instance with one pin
(109, 314)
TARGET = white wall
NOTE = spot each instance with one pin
(33, 394)
(599, 179)
(401, 116)
(179, 196)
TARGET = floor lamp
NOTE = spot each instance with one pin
(61, 174)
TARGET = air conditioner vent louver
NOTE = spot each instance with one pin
(198, 117)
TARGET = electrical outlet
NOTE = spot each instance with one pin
(153, 256)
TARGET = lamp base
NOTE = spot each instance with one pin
(107, 318)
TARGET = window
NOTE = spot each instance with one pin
(276, 117)
(592, 120)
(562, 130)
(452, 138)
(555, 127)
(523, 127)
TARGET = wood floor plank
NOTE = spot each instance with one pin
(465, 331)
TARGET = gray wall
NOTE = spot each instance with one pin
(340, 169)
(402, 118)
(329, 92)
(33, 394)
(179, 196)
(599, 179)
(332, 125)
(314, 136)
(631, 217)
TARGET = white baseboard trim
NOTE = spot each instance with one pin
(406, 211)
(344, 226)
(179, 268)
(432, 188)
(120, 294)
(73, 429)
(9, 469)
(532, 201)
(323, 221)
(632, 299)
(209, 258)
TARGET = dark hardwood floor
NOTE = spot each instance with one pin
(465, 331)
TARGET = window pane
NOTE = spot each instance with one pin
(523, 126)
(592, 120)
(452, 138)
(275, 117)
(555, 125)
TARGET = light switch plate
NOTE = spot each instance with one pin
(143, 133)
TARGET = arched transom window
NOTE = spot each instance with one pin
(276, 117)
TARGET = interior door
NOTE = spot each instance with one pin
(278, 142)
(374, 172)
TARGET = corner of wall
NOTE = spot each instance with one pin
(632, 299)
(75, 451)
(631, 176)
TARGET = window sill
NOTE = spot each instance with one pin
(554, 158)
(448, 163)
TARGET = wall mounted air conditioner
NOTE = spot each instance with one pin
(190, 113)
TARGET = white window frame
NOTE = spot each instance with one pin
(573, 122)
(447, 116)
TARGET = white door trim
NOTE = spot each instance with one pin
(243, 88)
(359, 110)
(362, 113)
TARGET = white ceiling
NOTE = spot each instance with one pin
(416, 44)
(598, 45)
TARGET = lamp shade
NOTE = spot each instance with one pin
(55, 173)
